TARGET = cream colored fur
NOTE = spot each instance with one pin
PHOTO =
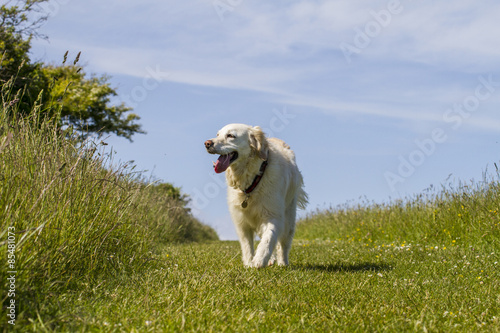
(271, 210)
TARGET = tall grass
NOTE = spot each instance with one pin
(76, 219)
(464, 213)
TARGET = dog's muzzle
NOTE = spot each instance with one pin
(209, 145)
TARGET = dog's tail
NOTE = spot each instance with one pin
(302, 199)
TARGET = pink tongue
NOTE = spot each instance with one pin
(222, 163)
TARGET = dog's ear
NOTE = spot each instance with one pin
(258, 142)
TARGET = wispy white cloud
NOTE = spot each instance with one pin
(291, 50)
(286, 35)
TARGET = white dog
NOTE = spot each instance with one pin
(264, 188)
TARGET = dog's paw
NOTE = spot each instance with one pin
(257, 264)
(248, 264)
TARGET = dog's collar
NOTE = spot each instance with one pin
(254, 184)
(257, 178)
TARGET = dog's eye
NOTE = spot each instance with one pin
(230, 136)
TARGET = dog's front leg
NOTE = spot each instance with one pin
(246, 236)
(267, 244)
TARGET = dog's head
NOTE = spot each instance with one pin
(235, 143)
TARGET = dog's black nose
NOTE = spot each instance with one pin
(209, 143)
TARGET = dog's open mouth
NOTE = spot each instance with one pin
(224, 161)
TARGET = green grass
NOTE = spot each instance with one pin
(353, 270)
(330, 286)
(99, 249)
(74, 214)
(461, 214)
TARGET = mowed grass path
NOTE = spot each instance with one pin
(336, 285)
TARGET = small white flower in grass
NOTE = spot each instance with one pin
(380, 274)
(148, 322)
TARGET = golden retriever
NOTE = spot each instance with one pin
(265, 187)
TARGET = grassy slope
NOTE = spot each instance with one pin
(73, 219)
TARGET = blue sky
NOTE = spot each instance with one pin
(379, 99)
